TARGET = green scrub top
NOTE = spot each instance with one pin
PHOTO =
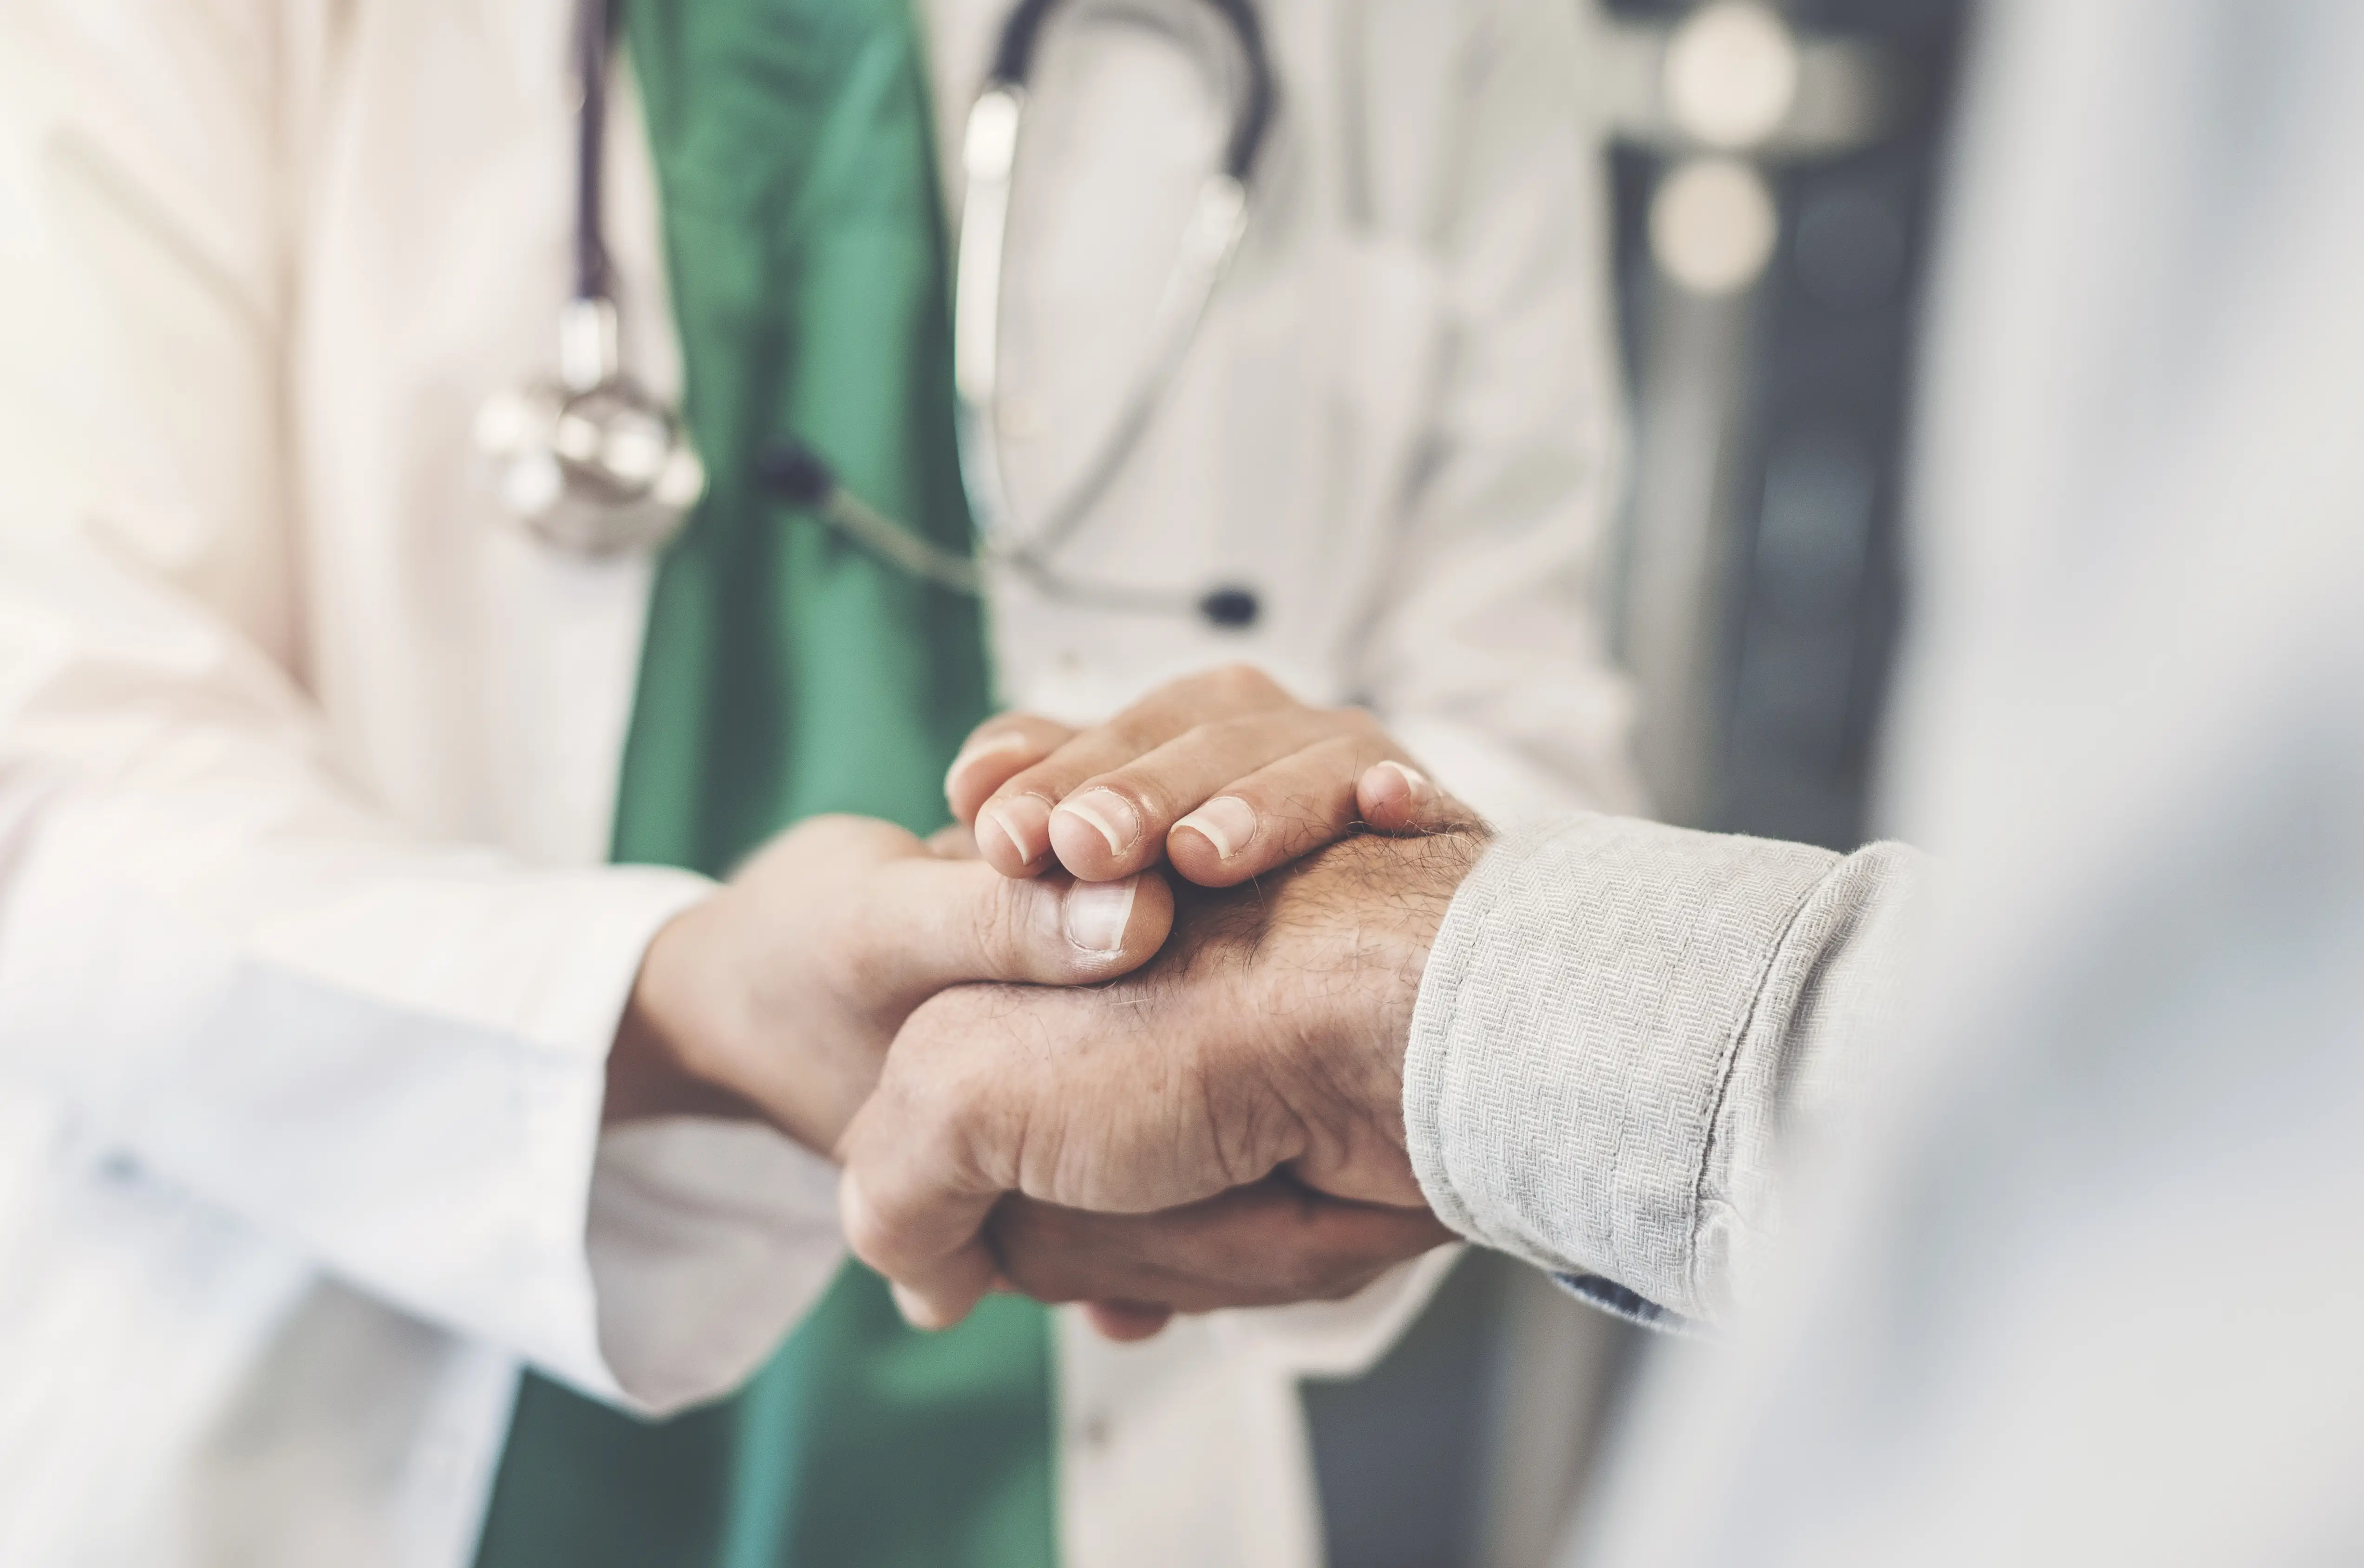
(786, 672)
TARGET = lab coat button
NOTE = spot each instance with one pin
(1233, 609)
(1092, 1431)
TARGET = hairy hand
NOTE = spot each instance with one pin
(1267, 1036)
(1266, 1244)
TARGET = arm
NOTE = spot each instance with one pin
(232, 965)
(1626, 1132)
(1618, 1023)
(228, 960)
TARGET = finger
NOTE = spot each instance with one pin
(994, 750)
(1276, 814)
(1127, 1322)
(953, 842)
(1395, 797)
(936, 1266)
(1266, 1244)
(925, 923)
(1013, 825)
(1115, 823)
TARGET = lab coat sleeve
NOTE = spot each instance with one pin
(1622, 1030)
(233, 966)
(1486, 655)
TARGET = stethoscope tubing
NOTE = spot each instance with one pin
(989, 149)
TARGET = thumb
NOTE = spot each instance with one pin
(929, 923)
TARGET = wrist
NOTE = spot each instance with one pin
(1367, 924)
(671, 1055)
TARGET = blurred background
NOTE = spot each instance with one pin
(1772, 170)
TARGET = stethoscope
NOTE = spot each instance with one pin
(593, 462)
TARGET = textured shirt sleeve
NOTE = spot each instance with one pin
(1618, 1021)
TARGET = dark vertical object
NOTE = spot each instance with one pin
(1811, 597)
(1399, 1451)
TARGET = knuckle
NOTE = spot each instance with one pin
(1240, 684)
(1010, 729)
(850, 956)
(1034, 780)
(1138, 786)
(1129, 734)
(886, 1229)
(1219, 734)
(870, 1235)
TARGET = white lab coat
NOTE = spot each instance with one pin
(308, 962)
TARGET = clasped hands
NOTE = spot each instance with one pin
(1131, 1034)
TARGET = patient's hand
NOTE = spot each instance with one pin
(1266, 1039)
(1269, 1243)
(1224, 775)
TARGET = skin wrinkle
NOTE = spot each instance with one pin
(1364, 1072)
(1265, 1041)
(1311, 983)
(1038, 1164)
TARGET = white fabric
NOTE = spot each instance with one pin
(307, 972)
(2084, 1285)
(1408, 377)
(307, 963)
(2094, 1297)
(1615, 1022)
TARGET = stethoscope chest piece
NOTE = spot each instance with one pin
(592, 461)
(594, 464)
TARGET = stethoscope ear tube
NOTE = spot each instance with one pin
(1013, 65)
(989, 148)
(989, 157)
(593, 463)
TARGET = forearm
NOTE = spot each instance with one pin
(1616, 1022)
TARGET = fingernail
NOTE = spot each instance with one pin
(1109, 812)
(917, 1310)
(1025, 821)
(1227, 822)
(1098, 912)
(1414, 780)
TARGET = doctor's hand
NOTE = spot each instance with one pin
(1268, 1036)
(778, 995)
(1223, 775)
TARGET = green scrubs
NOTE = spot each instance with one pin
(787, 673)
